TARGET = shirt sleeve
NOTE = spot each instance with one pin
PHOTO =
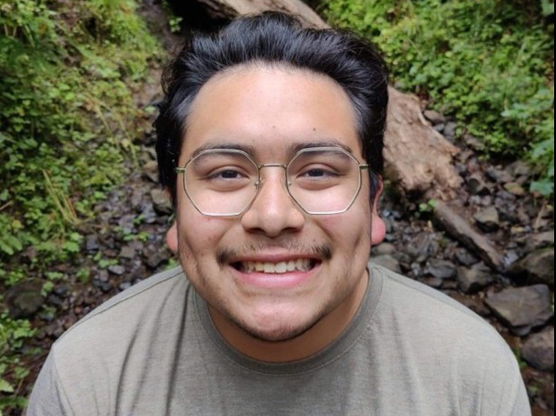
(48, 397)
(521, 406)
(508, 387)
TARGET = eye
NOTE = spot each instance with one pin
(227, 174)
(318, 172)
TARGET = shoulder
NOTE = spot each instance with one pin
(434, 321)
(444, 341)
(134, 310)
(403, 295)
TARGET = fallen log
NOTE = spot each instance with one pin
(418, 159)
(234, 8)
(460, 229)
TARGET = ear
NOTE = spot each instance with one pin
(172, 238)
(378, 228)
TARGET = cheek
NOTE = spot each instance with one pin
(348, 231)
(199, 235)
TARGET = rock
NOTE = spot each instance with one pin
(484, 201)
(154, 255)
(473, 142)
(442, 269)
(423, 246)
(116, 269)
(62, 290)
(538, 350)
(473, 279)
(91, 243)
(434, 116)
(472, 302)
(388, 261)
(137, 197)
(450, 131)
(128, 252)
(520, 169)
(161, 201)
(504, 197)
(55, 300)
(473, 166)
(102, 276)
(439, 127)
(477, 185)
(150, 171)
(127, 222)
(434, 282)
(404, 259)
(498, 175)
(464, 257)
(541, 240)
(461, 230)
(538, 266)
(24, 299)
(514, 188)
(522, 309)
(384, 248)
(510, 257)
(466, 155)
(488, 219)
(104, 286)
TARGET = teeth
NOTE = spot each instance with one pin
(302, 265)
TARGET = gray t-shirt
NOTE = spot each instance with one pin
(153, 350)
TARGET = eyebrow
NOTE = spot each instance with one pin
(292, 149)
(224, 146)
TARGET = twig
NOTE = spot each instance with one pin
(6, 205)
(539, 216)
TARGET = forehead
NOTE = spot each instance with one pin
(270, 110)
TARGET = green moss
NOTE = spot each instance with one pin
(487, 63)
(67, 75)
(68, 114)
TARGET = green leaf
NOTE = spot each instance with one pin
(5, 387)
(547, 8)
(545, 188)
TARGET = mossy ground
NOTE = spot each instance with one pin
(68, 74)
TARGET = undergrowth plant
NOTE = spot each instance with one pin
(488, 63)
(68, 72)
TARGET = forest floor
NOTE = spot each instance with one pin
(125, 243)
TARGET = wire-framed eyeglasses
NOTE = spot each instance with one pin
(225, 182)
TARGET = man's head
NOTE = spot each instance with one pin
(274, 38)
(265, 90)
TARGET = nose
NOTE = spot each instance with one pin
(273, 212)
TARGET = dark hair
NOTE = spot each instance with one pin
(275, 38)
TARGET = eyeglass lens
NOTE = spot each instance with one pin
(225, 182)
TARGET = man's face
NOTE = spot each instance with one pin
(271, 110)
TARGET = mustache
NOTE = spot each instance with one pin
(322, 251)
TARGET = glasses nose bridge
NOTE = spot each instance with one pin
(260, 180)
(270, 165)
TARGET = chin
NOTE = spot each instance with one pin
(275, 335)
(275, 331)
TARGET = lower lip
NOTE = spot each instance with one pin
(289, 280)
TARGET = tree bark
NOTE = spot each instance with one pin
(418, 158)
(234, 8)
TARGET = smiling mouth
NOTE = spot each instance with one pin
(297, 265)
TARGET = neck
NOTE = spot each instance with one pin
(323, 333)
